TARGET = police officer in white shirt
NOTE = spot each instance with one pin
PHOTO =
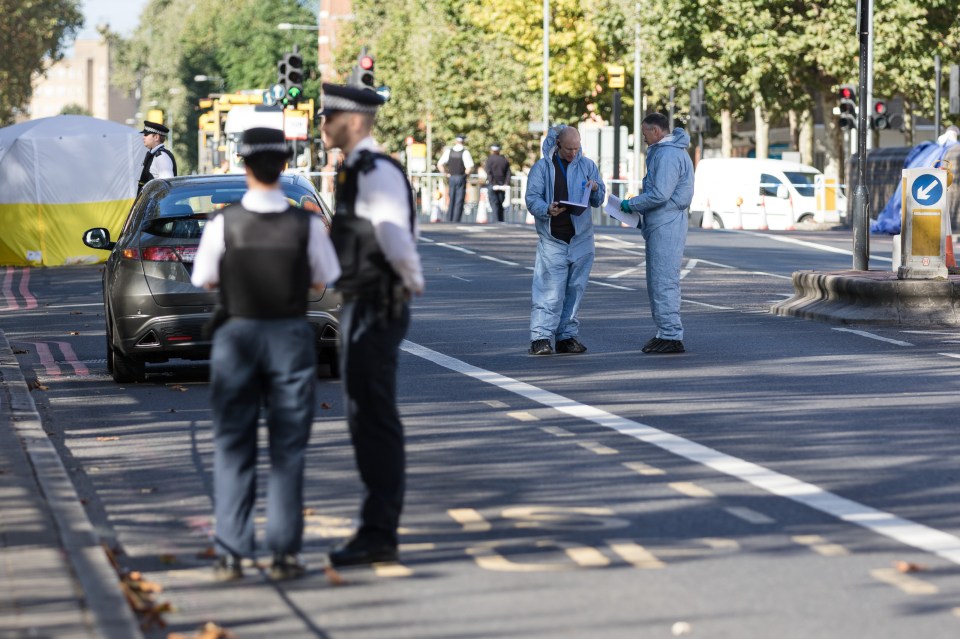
(374, 231)
(264, 255)
(457, 163)
(159, 161)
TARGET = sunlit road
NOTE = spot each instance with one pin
(783, 478)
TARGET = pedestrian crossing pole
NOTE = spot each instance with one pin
(861, 196)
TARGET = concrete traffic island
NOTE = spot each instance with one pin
(872, 297)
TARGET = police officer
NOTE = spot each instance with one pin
(497, 168)
(457, 162)
(374, 231)
(159, 161)
(264, 254)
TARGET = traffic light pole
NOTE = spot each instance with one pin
(861, 197)
(616, 140)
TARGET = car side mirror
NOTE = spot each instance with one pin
(98, 238)
(782, 192)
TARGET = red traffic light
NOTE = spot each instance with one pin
(846, 93)
(366, 63)
(880, 108)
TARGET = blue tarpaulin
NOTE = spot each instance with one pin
(925, 154)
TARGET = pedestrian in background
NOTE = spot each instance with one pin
(374, 231)
(663, 205)
(457, 163)
(159, 161)
(497, 168)
(565, 246)
(264, 255)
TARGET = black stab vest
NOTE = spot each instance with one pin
(145, 175)
(265, 269)
(365, 269)
(455, 165)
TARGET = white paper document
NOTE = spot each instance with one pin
(612, 209)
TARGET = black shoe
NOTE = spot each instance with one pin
(359, 552)
(570, 345)
(668, 346)
(540, 347)
(227, 568)
(286, 567)
(652, 344)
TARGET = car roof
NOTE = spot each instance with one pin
(180, 180)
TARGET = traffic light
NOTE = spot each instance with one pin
(362, 76)
(848, 106)
(616, 76)
(879, 120)
(291, 76)
(698, 110)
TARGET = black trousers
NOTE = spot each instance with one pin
(457, 186)
(370, 347)
(496, 198)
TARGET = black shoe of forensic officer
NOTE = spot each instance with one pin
(667, 346)
(540, 347)
(649, 346)
(570, 345)
(227, 568)
(360, 551)
(286, 567)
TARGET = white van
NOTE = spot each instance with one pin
(760, 194)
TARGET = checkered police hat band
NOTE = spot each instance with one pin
(337, 103)
(150, 129)
(251, 149)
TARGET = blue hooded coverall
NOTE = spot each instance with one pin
(561, 270)
(663, 204)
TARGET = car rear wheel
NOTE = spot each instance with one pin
(125, 370)
(806, 218)
(717, 221)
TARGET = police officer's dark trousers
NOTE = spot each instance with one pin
(254, 362)
(368, 366)
(457, 186)
(496, 197)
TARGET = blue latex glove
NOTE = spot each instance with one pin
(625, 206)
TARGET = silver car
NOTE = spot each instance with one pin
(153, 313)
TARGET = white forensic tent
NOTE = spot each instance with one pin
(60, 176)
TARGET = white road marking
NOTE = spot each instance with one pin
(951, 333)
(690, 264)
(498, 260)
(456, 248)
(782, 277)
(906, 583)
(624, 272)
(880, 522)
(622, 288)
(872, 336)
(427, 240)
(820, 545)
(496, 403)
(100, 304)
(644, 469)
(523, 416)
(457, 277)
(614, 238)
(556, 431)
(717, 264)
(470, 519)
(820, 247)
(749, 515)
(599, 449)
(391, 570)
(954, 355)
(636, 555)
(720, 308)
(691, 489)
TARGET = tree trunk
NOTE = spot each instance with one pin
(833, 141)
(726, 133)
(908, 132)
(805, 143)
(794, 120)
(763, 133)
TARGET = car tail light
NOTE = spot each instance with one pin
(130, 254)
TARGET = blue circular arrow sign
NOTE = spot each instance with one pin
(927, 189)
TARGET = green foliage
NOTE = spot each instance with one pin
(74, 109)
(33, 33)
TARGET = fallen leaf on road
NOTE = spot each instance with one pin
(37, 385)
(73, 333)
(207, 553)
(209, 630)
(309, 512)
(20, 351)
(334, 577)
(325, 406)
(168, 559)
(906, 566)
(107, 439)
(178, 387)
(76, 312)
(147, 491)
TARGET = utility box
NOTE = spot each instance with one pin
(924, 204)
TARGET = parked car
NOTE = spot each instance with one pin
(751, 193)
(152, 312)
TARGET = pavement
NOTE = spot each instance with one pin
(55, 578)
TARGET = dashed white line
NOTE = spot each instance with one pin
(690, 489)
(457, 277)
(598, 448)
(556, 431)
(953, 355)
(456, 248)
(644, 469)
(749, 515)
(523, 416)
(498, 260)
(902, 530)
(906, 583)
(872, 336)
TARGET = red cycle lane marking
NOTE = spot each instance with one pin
(46, 358)
(8, 291)
(71, 357)
(28, 297)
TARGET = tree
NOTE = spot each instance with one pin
(33, 33)
(74, 109)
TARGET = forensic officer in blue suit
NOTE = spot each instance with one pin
(375, 232)
(663, 204)
(264, 254)
(565, 247)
